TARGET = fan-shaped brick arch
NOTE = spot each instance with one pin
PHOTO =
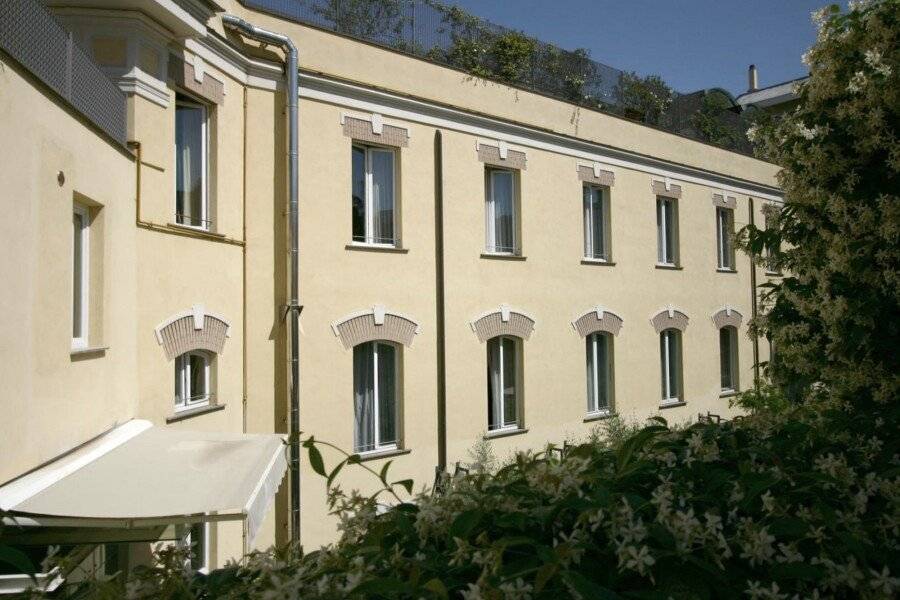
(669, 318)
(597, 319)
(504, 321)
(193, 329)
(377, 323)
(726, 317)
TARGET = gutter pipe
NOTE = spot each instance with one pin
(293, 308)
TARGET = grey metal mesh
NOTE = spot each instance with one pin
(36, 40)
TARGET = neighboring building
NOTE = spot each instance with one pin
(475, 262)
(773, 99)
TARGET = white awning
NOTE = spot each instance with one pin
(137, 475)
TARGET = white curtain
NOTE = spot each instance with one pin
(383, 196)
(364, 397)
(588, 242)
(189, 164)
(387, 394)
(504, 216)
(495, 388)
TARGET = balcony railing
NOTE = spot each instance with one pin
(34, 38)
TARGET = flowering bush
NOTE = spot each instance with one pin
(833, 317)
(804, 503)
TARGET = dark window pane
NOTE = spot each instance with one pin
(189, 165)
(359, 194)
(387, 394)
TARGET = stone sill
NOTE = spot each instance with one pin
(194, 412)
(672, 404)
(88, 352)
(720, 270)
(499, 433)
(667, 267)
(598, 262)
(499, 256)
(376, 248)
(599, 416)
(376, 454)
(199, 231)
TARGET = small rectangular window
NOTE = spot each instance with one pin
(596, 223)
(501, 220)
(503, 383)
(375, 375)
(373, 196)
(191, 163)
(724, 238)
(192, 380)
(670, 361)
(599, 372)
(728, 358)
(80, 279)
(666, 231)
(197, 544)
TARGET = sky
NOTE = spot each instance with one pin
(691, 44)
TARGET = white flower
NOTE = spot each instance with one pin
(884, 583)
(757, 592)
(857, 82)
(768, 502)
(473, 593)
(516, 590)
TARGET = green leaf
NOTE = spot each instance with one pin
(544, 574)
(382, 585)
(384, 471)
(336, 470)
(587, 589)
(464, 523)
(16, 559)
(315, 461)
(635, 442)
(436, 587)
(406, 483)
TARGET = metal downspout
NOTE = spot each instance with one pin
(753, 307)
(293, 307)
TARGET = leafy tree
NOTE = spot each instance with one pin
(366, 19)
(644, 98)
(833, 317)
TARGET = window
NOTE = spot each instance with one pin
(599, 372)
(375, 376)
(724, 238)
(197, 544)
(596, 223)
(666, 231)
(191, 206)
(728, 358)
(670, 360)
(500, 213)
(503, 382)
(80, 280)
(373, 196)
(192, 380)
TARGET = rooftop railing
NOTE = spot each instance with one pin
(31, 36)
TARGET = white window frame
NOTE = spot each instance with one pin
(665, 230)
(81, 342)
(732, 359)
(183, 371)
(517, 375)
(671, 336)
(369, 200)
(594, 398)
(187, 540)
(490, 220)
(724, 244)
(379, 446)
(590, 253)
(183, 100)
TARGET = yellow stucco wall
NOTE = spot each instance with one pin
(150, 273)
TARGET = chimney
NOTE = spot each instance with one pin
(753, 81)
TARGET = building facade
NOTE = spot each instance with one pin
(475, 261)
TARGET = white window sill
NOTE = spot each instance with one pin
(505, 431)
(725, 270)
(366, 247)
(587, 260)
(598, 415)
(85, 351)
(502, 255)
(670, 266)
(382, 453)
(672, 403)
(728, 393)
(187, 412)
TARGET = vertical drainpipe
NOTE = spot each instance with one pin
(439, 301)
(753, 307)
(293, 307)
